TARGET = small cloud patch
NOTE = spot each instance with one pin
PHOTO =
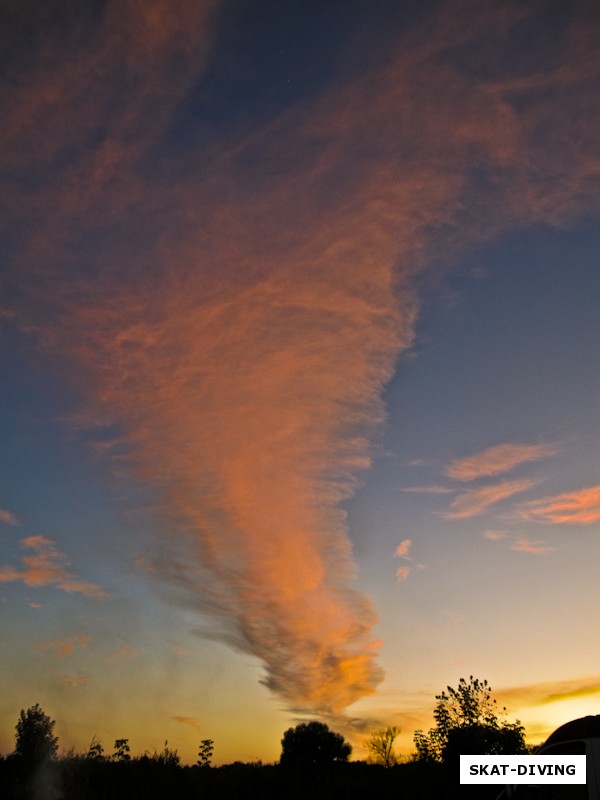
(44, 565)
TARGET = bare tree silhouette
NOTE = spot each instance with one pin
(381, 744)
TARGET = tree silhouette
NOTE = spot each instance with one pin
(381, 744)
(35, 741)
(121, 750)
(483, 740)
(312, 744)
(205, 752)
(468, 720)
(95, 750)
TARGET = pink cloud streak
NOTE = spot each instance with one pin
(474, 502)
(580, 507)
(496, 460)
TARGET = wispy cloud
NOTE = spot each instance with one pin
(193, 722)
(433, 489)
(580, 507)
(62, 648)
(516, 542)
(403, 572)
(550, 692)
(47, 566)
(214, 324)
(8, 518)
(495, 536)
(474, 502)
(535, 547)
(73, 681)
(125, 652)
(497, 460)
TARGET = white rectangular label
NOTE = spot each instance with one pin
(522, 769)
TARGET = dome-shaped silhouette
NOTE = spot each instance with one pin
(582, 728)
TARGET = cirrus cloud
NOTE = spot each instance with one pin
(580, 507)
(474, 502)
(535, 547)
(497, 460)
(192, 722)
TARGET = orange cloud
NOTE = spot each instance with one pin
(403, 549)
(528, 546)
(47, 567)
(247, 306)
(62, 648)
(570, 508)
(7, 517)
(474, 502)
(61, 106)
(496, 460)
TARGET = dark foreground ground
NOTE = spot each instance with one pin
(144, 779)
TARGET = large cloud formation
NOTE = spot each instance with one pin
(236, 303)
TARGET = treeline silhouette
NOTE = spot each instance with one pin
(314, 762)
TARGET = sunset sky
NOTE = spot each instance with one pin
(299, 344)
